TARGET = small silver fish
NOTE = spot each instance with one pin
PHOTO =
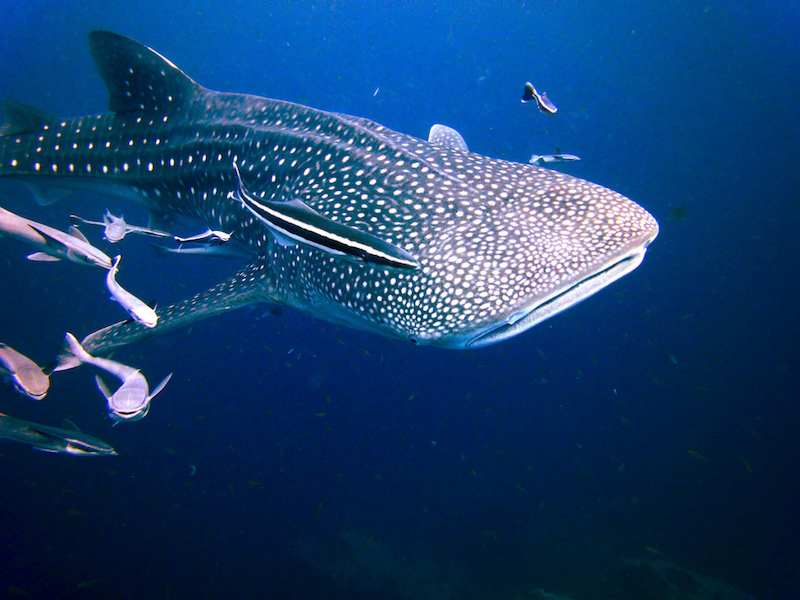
(210, 236)
(131, 401)
(221, 251)
(115, 228)
(66, 440)
(553, 158)
(542, 101)
(137, 309)
(27, 376)
(54, 245)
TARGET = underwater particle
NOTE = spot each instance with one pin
(677, 213)
(697, 455)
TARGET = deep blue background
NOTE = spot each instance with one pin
(657, 419)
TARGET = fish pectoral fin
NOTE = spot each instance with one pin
(21, 118)
(50, 367)
(298, 205)
(46, 194)
(282, 239)
(252, 284)
(103, 387)
(42, 257)
(161, 386)
(77, 234)
(49, 240)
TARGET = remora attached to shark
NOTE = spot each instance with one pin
(494, 247)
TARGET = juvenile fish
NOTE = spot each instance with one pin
(137, 309)
(542, 101)
(62, 440)
(131, 401)
(27, 377)
(115, 228)
(553, 158)
(53, 244)
(210, 236)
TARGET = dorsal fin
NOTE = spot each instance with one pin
(139, 78)
(67, 424)
(77, 234)
(21, 118)
(447, 137)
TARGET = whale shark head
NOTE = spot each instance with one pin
(501, 246)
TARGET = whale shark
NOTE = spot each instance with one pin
(346, 220)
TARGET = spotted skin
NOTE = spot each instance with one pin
(500, 245)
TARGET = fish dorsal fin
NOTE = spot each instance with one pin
(70, 425)
(47, 193)
(77, 234)
(21, 118)
(447, 137)
(139, 78)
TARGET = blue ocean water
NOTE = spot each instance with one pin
(290, 458)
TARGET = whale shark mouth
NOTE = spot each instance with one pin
(544, 309)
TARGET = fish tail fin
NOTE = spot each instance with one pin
(77, 350)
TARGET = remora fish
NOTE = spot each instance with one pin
(207, 237)
(54, 244)
(292, 221)
(137, 309)
(64, 440)
(542, 101)
(553, 158)
(131, 401)
(115, 228)
(27, 376)
(501, 246)
(210, 249)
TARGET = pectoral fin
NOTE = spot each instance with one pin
(250, 285)
(161, 386)
(77, 234)
(103, 387)
(42, 257)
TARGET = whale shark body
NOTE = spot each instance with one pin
(478, 249)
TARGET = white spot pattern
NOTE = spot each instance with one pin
(493, 237)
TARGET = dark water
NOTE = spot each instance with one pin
(289, 458)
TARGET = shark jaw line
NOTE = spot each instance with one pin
(531, 316)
